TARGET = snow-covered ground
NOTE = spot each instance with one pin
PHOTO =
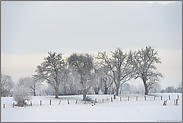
(107, 111)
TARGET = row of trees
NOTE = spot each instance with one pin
(120, 67)
(105, 73)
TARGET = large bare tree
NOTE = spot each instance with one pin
(118, 66)
(52, 70)
(82, 65)
(145, 61)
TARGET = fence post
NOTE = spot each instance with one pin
(145, 98)
(95, 100)
(50, 101)
(13, 104)
(154, 97)
(177, 96)
(40, 102)
(68, 101)
(128, 98)
(31, 103)
(59, 102)
(114, 96)
(161, 98)
(3, 105)
(111, 99)
(169, 97)
(136, 98)
(120, 98)
(176, 101)
(76, 102)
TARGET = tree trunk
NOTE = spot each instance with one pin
(117, 90)
(56, 92)
(105, 90)
(84, 95)
(96, 90)
(34, 92)
(57, 85)
(145, 85)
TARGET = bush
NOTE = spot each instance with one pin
(21, 95)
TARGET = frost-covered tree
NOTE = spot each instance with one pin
(125, 88)
(52, 70)
(97, 85)
(106, 83)
(156, 88)
(145, 61)
(118, 66)
(32, 84)
(103, 81)
(82, 65)
(68, 85)
(6, 85)
(170, 89)
(179, 88)
(153, 85)
(21, 92)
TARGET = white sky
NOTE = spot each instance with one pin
(31, 29)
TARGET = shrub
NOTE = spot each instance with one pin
(21, 95)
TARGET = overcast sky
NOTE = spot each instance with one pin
(31, 29)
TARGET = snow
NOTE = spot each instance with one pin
(107, 111)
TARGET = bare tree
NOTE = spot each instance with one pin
(32, 84)
(6, 85)
(106, 83)
(97, 85)
(118, 67)
(51, 70)
(144, 62)
(103, 81)
(83, 65)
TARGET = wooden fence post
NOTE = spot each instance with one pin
(161, 98)
(31, 103)
(154, 97)
(177, 96)
(111, 99)
(169, 97)
(50, 101)
(95, 100)
(40, 102)
(114, 96)
(76, 102)
(128, 98)
(68, 101)
(136, 98)
(176, 101)
(59, 102)
(13, 104)
(120, 98)
(3, 105)
(145, 98)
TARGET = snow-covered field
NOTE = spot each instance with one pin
(117, 111)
